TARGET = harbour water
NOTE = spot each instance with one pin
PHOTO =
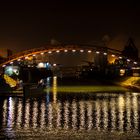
(71, 116)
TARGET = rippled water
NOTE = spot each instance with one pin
(69, 113)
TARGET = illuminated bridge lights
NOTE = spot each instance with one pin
(57, 51)
(81, 50)
(65, 50)
(135, 62)
(11, 62)
(113, 55)
(42, 53)
(97, 52)
(105, 53)
(89, 51)
(26, 57)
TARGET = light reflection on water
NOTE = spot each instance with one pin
(68, 111)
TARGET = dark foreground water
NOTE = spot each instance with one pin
(71, 116)
(65, 113)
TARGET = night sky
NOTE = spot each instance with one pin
(25, 25)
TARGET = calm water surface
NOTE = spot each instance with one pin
(69, 113)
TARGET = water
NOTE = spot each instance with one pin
(71, 116)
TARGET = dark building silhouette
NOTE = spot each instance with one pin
(130, 50)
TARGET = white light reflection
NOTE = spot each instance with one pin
(35, 112)
(10, 112)
(19, 117)
(135, 110)
(113, 114)
(82, 115)
(27, 114)
(50, 116)
(4, 112)
(105, 116)
(128, 111)
(59, 107)
(66, 115)
(74, 115)
(42, 115)
(121, 103)
(98, 114)
(54, 89)
(89, 115)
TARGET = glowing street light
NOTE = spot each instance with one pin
(81, 50)
(49, 52)
(73, 50)
(19, 59)
(57, 51)
(65, 50)
(34, 55)
(89, 51)
(42, 53)
(105, 53)
(4, 66)
(120, 57)
(128, 60)
(135, 63)
(11, 62)
(97, 52)
(113, 55)
(54, 65)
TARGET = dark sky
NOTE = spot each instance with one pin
(25, 25)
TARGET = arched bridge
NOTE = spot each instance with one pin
(50, 49)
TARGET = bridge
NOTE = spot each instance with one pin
(67, 59)
(51, 49)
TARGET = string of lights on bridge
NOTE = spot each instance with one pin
(35, 54)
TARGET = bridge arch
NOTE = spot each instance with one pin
(99, 50)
